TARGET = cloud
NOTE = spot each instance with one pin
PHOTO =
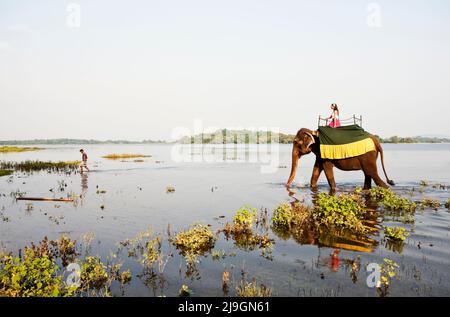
(20, 28)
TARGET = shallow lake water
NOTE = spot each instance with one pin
(211, 183)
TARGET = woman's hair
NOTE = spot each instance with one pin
(81, 150)
(335, 107)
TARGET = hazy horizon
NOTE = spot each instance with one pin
(136, 70)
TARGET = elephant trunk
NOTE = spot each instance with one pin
(295, 158)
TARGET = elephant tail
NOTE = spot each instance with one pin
(380, 149)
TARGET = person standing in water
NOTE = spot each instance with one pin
(335, 123)
(84, 159)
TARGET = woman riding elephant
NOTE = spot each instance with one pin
(307, 141)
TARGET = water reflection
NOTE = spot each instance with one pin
(84, 186)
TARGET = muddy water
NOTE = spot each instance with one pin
(210, 185)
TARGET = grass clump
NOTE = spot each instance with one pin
(388, 271)
(15, 149)
(397, 234)
(5, 172)
(34, 166)
(244, 218)
(195, 242)
(124, 156)
(40, 271)
(286, 217)
(430, 203)
(344, 211)
(388, 199)
(31, 275)
(184, 291)
(246, 231)
(252, 289)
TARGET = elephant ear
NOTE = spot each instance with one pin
(297, 140)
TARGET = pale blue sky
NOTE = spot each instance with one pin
(138, 69)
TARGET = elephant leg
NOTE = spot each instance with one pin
(370, 170)
(328, 169)
(317, 170)
(367, 182)
(379, 181)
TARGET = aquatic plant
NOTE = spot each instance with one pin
(423, 183)
(388, 271)
(195, 242)
(245, 217)
(343, 211)
(447, 204)
(388, 199)
(32, 166)
(396, 233)
(430, 203)
(184, 291)
(252, 289)
(14, 149)
(124, 156)
(152, 251)
(5, 172)
(286, 216)
(31, 275)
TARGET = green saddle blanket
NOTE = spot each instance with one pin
(344, 142)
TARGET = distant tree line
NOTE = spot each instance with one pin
(222, 136)
(74, 141)
(418, 139)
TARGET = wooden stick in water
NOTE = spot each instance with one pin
(45, 199)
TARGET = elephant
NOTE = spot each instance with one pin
(307, 141)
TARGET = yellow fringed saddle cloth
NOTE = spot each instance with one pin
(344, 142)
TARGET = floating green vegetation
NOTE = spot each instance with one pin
(184, 291)
(221, 254)
(14, 149)
(195, 242)
(40, 271)
(31, 275)
(32, 166)
(244, 218)
(388, 271)
(424, 183)
(397, 234)
(343, 211)
(447, 204)
(146, 249)
(244, 231)
(5, 172)
(124, 156)
(284, 216)
(252, 289)
(430, 203)
(339, 222)
(386, 198)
